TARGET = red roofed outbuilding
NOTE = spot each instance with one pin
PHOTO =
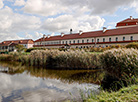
(10, 44)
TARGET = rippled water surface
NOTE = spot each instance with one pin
(27, 84)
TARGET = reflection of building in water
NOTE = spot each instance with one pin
(126, 31)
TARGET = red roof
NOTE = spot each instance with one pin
(127, 22)
(26, 41)
(111, 32)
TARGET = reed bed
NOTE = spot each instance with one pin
(67, 59)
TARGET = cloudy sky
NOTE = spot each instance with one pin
(23, 19)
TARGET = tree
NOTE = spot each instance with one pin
(19, 47)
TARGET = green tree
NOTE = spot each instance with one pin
(19, 47)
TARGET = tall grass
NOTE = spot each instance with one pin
(67, 59)
(121, 66)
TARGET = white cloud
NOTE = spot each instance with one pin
(19, 3)
(48, 7)
(43, 7)
(12, 23)
(65, 22)
(34, 36)
(134, 5)
(1, 4)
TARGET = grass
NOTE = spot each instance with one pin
(126, 94)
(55, 58)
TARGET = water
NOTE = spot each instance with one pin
(27, 84)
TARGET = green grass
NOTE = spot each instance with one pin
(127, 94)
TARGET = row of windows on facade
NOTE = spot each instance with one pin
(69, 42)
(131, 38)
(103, 46)
(5, 47)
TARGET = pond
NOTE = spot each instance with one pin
(28, 84)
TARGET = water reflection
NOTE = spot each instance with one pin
(27, 84)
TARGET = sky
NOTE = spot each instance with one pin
(30, 19)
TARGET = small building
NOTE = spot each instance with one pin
(10, 45)
(125, 32)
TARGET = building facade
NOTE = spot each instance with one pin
(125, 32)
(10, 45)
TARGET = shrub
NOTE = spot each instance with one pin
(121, 64)
(132, 45)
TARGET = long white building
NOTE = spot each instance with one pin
(126, 31)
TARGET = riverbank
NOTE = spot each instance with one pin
(126, 94)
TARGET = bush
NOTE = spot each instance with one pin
(121, 64)
(132, 45)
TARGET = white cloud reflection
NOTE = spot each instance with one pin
(26, 88)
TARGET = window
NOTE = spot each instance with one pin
(78, 41)
(62, 42)
(97, 40)
(82, 41)
(87, 40)
(131, 38)
(70, 42)
(116, 38)
(74, 41)
(123, 38)
(92, 40)
(109, 39)
(103, 39)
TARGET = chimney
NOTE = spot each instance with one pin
(62, 34)
(44, 36)
(131, 17)
(80, 32)
(70, 31)
(48, 36)
(104, 29)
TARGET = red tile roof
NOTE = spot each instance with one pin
(26, 41)
(127, 22)
(111, 32)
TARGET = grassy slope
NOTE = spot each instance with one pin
(128, 94)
